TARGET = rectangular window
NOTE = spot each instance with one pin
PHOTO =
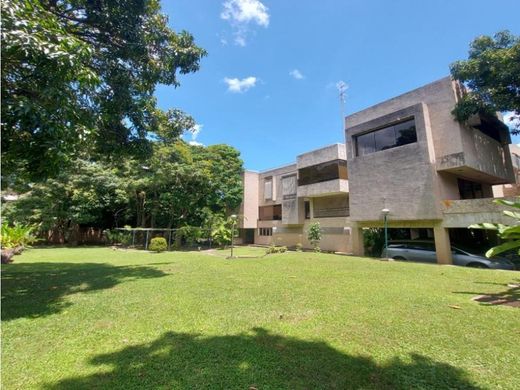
(469, 189)
(307, 207)
(268, 188)
(388, 137)
(270, 213)
(330, 170)
(265, 232)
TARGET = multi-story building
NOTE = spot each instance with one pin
(407, 156)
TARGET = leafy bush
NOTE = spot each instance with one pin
(299, 247)
(158, 244)
(317, 249)
(275, 249)
(191, 235)
(314, 235)
(15, 239)
(374, 241)
(18, 235)
(118, 237)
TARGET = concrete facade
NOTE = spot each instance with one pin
(424, 175)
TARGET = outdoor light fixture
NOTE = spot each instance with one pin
(385, 212)
(234, 221)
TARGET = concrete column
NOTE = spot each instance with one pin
(358, 245)
(442, 245)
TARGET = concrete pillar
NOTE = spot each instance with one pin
(358, 245)
(442, 245)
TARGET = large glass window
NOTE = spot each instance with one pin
(330, 170)
(388, 137)
(270, 213)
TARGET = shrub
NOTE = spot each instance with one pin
(158, 244)
(118, 237)
(275, 249)
(299, 247)
(314, 235)
(317, 249)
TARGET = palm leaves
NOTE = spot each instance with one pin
(509, 233)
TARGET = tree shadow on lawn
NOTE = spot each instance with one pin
(257, 361)
(38, 289)
(510, 296)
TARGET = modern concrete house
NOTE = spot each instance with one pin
(279, 204)
(407, 155)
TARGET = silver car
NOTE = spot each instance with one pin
(424, 251)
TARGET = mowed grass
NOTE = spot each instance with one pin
(97, 318)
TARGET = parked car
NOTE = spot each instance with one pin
(424, 251)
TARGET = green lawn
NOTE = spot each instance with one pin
(97, 318)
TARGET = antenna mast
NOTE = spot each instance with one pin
(342, 89)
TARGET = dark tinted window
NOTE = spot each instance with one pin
(388, 137)
(470, 190)
(330, 170)
(307, 206)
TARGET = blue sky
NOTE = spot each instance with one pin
(268, 84)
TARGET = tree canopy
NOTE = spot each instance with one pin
(78, 79)
(492, 73)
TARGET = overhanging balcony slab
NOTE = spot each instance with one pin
(326, 188)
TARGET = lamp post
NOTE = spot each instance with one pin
(385, 212)
(234, 221)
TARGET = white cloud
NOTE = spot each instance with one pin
(195, 130)
(245, 11)
(195, 143)
(295, 73)
(238, 86)
(242, 13)
(511, 120)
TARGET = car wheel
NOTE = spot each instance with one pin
(401, 258)
(477, 265)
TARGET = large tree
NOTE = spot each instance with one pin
(78, 78)
(492, 73)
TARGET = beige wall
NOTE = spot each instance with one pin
(401, 179)
(248, 214)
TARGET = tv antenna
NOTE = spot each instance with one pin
(342, 89)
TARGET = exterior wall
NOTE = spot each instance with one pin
(277, 175)
(249, 208)
(462, 213)
(401, 179)
(318, 156)
(512, 189)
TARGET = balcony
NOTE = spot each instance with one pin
(462, 213)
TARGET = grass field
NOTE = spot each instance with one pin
(97, 318)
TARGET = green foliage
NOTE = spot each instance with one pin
(492, 72)
(191, 235)
(158, 244)
(509, 233)
(121, 237)
(299, 247)
(221, 234)
(314, 234)
(374, 241)
(78, 78)
(18, 235)
(275, 249)
(86, 193)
